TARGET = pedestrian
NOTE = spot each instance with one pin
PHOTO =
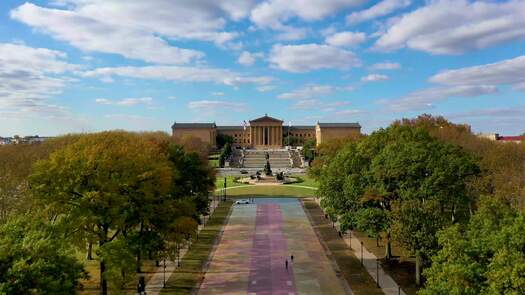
(291, 258)
(286, 264)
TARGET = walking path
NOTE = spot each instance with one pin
(156, 282)
(257, 241)
(386, 283)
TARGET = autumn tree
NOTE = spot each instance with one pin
(106, 185)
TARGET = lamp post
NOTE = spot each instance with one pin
(224, 188)
(164, 278)
(361, 253)
(377, 272)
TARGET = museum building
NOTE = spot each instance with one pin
(265, 132)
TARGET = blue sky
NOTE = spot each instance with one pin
(90, 65)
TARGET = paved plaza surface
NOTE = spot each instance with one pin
(257, 240)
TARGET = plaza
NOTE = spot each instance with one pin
(255, 245)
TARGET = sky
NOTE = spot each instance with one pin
(90, 65)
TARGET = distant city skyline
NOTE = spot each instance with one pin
(89, 65)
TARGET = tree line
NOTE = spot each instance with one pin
(435, 189)
(121, 197)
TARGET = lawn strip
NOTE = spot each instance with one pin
(187, 278)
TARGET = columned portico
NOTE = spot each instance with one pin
(266, 133)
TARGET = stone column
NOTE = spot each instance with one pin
(275, 135)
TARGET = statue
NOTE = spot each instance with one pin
(267, 168)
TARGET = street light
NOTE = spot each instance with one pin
(361, 253)
(377, 272)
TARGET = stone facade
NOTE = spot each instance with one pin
(266, 132)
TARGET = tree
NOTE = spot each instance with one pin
(372, 221)
(484, 256)
(399, 164)
(105, 185)
(223, 139)
(16, 162)
(415, 227)
(309, 149)
(36, 259)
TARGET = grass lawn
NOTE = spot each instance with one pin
(190, 275)
(357, 277)
(213, 159)
(219, 182)
(305, 180)
(269, 190)
(403, 271)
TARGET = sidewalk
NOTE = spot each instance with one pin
(156, 282)
(387, 284)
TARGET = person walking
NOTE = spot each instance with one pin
(291, 258)
(286, 264)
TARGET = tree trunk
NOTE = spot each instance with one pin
(103, 281)
(418, 268)
(90, 251)
(377, 240)
(388, 248)
(137, 268)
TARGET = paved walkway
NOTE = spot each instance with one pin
(156, 282)
(387, 284)
(256, 243)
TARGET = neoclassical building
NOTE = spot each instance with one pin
(265, 132)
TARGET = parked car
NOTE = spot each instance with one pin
(244, 172)
(243, 201)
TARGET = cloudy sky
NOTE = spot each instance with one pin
(89, 65)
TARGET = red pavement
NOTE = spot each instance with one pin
(268, 274)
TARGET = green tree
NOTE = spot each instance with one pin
(372, 221)
(485, 256)
(223, 139)
(36, 259)
(106, 184)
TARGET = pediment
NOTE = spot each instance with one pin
(266, 119)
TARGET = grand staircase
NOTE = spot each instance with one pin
(257, 159)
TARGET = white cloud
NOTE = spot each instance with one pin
(177, 73)
(126, 101)
(380, 9)
(247, 58)
(288, 33)
(374, 78)
(456, 26)
(506, 112)
(308, 92)
(349, 112)
(273, 13)
(386, 66)
(29, 77)
(319, 105)
(506, 72)
(310, 57)
(137, 29)
(346, 39)
(265, 88)
(214, 105)
(217, 93)
(426, 98)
